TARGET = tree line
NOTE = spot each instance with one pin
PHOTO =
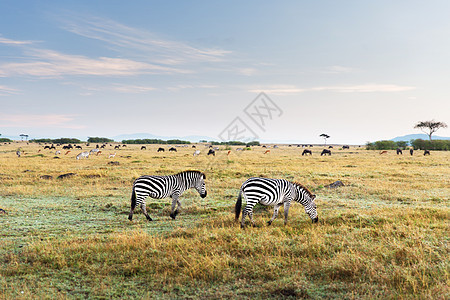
(416, 144)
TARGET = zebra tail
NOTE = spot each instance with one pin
(133, 198)
(238, 206)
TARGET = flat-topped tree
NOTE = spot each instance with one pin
(430, 127)
(325, 137)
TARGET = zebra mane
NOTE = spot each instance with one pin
(303, 187)
(192, 171)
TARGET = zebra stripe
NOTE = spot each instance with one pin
(159, 187)
(275, 192)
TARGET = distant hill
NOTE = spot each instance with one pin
(418, 136)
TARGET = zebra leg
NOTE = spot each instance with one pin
(286, 211)
(144, 210)
(275, 213)
(244, 214)
(174, 212)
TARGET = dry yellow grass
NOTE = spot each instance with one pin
(383, 235)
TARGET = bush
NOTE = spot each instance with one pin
(420, 144)
(382, 145)
(154, 141)
(5, 140)
(99, 140)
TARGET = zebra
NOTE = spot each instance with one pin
(159, 187)
(276, 192)
(83, 155)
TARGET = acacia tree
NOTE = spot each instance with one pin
(430, 127)
(325, 137)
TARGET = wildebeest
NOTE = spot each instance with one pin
(212, 152)
(411, 151)
(399, 151)
(306, 151)
(160, 149)
(330, 147)
(325, 152)
(76, 147)
(426, 152)
(143, 148)
(172, 149)
(346, 147)
(117, 147)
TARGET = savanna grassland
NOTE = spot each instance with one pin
(383, 235)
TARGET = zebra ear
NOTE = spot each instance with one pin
(204, 176)
(313, 197)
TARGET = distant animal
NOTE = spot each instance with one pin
(143, 148)
(276, 192)
(95, 151)
(383, 152)
(77, 147)
(112, 155)
(426, 152)
(216, 148)
(346, 147)
(330, 147)
(57, 152)
(117, 147)
(172, 149)
(83, 155)
(160, 150)
(159, 187)
(267, 151)
(67, 152)
(275, 146)
(2, 211)
(399, 151)
(264, 146)
(212, 152)
(98, 152)
(197, 152)
(67, 175)
(52, 147)
(47, 147)
(411, 151)
(18, 153)
(193, 146)
(306, 151)
(239, 149)
(228, 153)
(103, 146)
(325, 152)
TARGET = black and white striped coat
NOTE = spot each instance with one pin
(159, 187)
(276, 192)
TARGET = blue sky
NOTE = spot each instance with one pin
(356, 70)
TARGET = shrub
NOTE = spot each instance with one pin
(420, 144)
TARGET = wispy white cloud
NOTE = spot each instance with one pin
(6, 41)
(361, 88)
(277, 89)
(39, 121)
(365, 88)
(49, 63)
(141, 42)
(339, 70)
(6, 91)
(133, 89)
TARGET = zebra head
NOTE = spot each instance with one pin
(305, 197)
(200, 185)
(311, 209)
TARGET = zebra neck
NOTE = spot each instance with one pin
(186, 182)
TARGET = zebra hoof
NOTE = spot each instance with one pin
(149, 219)
(130, 217)
(269, 223)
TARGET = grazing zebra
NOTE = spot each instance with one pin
(159, 187)
(197, 152)
(212, 152)
(96, 151)
(399, 151)
(276, 192)
(83, 155)
(426, 152)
